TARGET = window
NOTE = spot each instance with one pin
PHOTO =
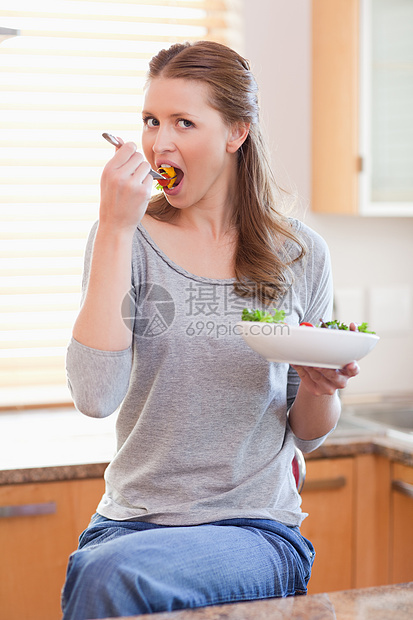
(386, 181)
(76, 69)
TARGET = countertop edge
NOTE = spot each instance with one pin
(337, 447)
(52, 473)
(396, 600)
(381, 445)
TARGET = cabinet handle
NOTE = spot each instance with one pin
(402, 487)
(325, 485)
(28, 510)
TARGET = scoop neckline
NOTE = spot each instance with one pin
(177, 267)
(295, 223)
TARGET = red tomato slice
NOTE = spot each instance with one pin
(164, 182)
(308, 324)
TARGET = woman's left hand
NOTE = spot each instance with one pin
(325, 381)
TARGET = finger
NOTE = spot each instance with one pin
(141, 182)
(350, 370)
(130, 166)
(333, 375)
(313, 380)
(328, 384)
(123, 154)
(148, 184)
(142, 171)
(121, 142)
(306, 379)
(317, 374)
(322, 380)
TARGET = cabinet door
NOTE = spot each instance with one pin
(39, 528)
(335, 148)
(401, 531)
(362, 95)
(371, 522)
(328, 497)
(386, 59)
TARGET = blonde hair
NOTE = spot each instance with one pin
(262, 261)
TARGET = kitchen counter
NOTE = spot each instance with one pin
(383, 603)
(56, 444)
(338, 445)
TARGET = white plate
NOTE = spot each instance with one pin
(306, 346)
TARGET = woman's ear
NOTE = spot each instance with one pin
(237, 136)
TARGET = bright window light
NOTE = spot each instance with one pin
(76, 69)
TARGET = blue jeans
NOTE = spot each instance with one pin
(125, 568)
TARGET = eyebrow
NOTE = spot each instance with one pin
(175, 115)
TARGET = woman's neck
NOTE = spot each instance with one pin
(213, 224)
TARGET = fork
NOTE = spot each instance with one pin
(115, 142)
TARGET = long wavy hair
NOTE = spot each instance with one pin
(262, 261)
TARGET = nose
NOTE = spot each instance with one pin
(163, 141)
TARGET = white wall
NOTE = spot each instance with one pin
(367, 253)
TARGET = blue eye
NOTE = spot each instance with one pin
(184, 123)
(149, 121)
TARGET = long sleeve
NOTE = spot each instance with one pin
(97, 380)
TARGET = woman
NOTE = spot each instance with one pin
(200, 505)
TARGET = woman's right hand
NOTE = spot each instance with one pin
(125, 187)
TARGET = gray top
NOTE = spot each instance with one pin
(202, 431)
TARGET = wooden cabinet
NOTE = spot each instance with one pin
(335, 113)
(360, 522)
(39, 528)
(401, 524)
(371, 521)
(361, 108)
(348, 501)
(328, 497)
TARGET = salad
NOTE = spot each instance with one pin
(168, 172)
(363, 327)
(263, 315)
(278, 316)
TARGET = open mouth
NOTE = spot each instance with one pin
(172, 177)
(179, 175)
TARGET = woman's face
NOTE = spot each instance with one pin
(182, 130)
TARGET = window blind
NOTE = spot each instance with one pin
(76, 69)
